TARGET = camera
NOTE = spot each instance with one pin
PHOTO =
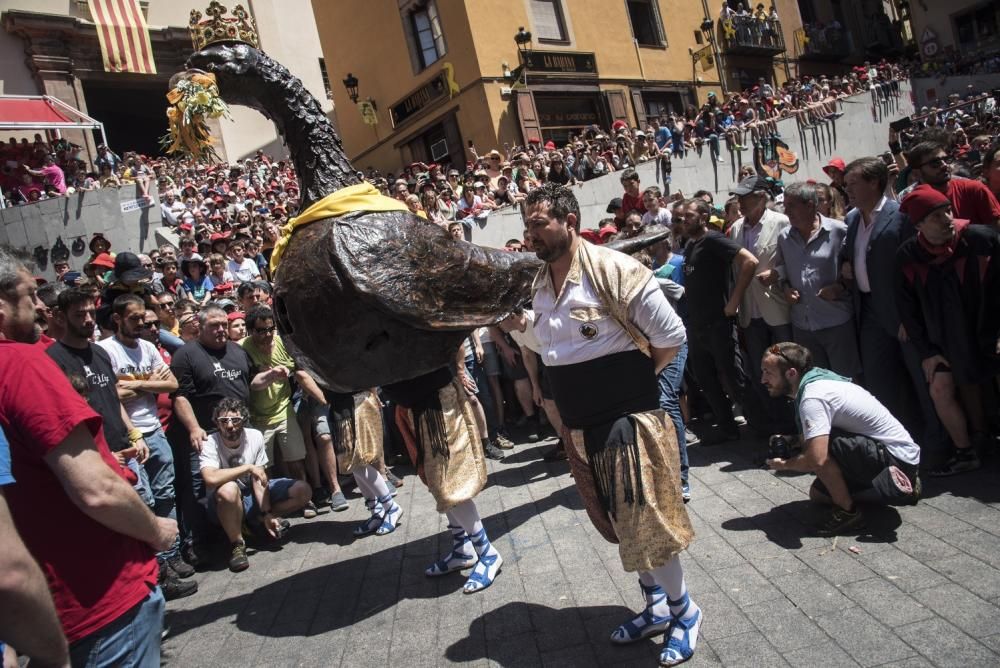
(779, 447)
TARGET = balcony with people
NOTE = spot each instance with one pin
(752, 34)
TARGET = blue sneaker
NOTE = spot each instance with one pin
(685, 491)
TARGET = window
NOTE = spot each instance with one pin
(977, 29)
(646, 25)
(549, 23)
(326, 79)
(426, 37)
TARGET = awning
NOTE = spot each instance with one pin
(43, 112)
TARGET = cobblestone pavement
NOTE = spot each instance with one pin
(921, 588)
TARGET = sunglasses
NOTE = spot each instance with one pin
(776, 351)
(263, 330)
(234, 421)
(155, 324)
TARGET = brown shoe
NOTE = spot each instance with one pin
(238, 560)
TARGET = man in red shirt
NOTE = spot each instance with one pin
(72, 497)
(970, 200)
(632, 199)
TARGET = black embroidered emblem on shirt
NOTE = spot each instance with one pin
(588, 330)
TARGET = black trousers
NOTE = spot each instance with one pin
(778, 415)
(892, 372)
(717, 363)
(189, 488)
(863, 462)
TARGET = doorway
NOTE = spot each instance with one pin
(133, 113)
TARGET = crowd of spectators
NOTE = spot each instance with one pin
(177, 349)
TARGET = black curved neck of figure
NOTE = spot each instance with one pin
(315, 148)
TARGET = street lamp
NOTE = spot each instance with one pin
(351, 84)
(708, 29)
(523, 40)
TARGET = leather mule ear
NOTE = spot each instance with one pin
(41, 256)
(59, 251)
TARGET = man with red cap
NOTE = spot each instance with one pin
(949, 302)
(835, 169)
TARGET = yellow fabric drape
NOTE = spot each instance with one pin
(360, 197)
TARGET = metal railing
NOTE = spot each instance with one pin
(746, 34)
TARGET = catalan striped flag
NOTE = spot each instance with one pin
(124, 36)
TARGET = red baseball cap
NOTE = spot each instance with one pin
(835, 163)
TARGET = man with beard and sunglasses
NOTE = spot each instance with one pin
(606, 330)
(143, 375)
(858, 451)
(970, 199)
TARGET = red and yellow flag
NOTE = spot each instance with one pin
(124, 36)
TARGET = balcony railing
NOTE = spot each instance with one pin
(822, 43)
(751, 36)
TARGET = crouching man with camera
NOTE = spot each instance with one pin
(858, 451)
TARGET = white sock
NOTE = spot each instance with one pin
(374, 481)
(659, 608)
(466, 515)
(670, 576)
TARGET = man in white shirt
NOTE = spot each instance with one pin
(240, 266)
(856, 448)
(890, 363)
(764, 317)
(142, 375)
(234, 466)
(171, 208)
(606, 330)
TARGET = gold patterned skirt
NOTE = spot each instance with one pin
(650, 531)
(364, 446)
(445, 447)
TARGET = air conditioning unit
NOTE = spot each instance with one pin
(506, 91)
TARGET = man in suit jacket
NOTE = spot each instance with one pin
(890, 365)
(764, 317)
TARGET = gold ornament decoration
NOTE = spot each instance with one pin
(217, 28)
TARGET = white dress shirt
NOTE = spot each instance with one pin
(565, 324)
(861, 246)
